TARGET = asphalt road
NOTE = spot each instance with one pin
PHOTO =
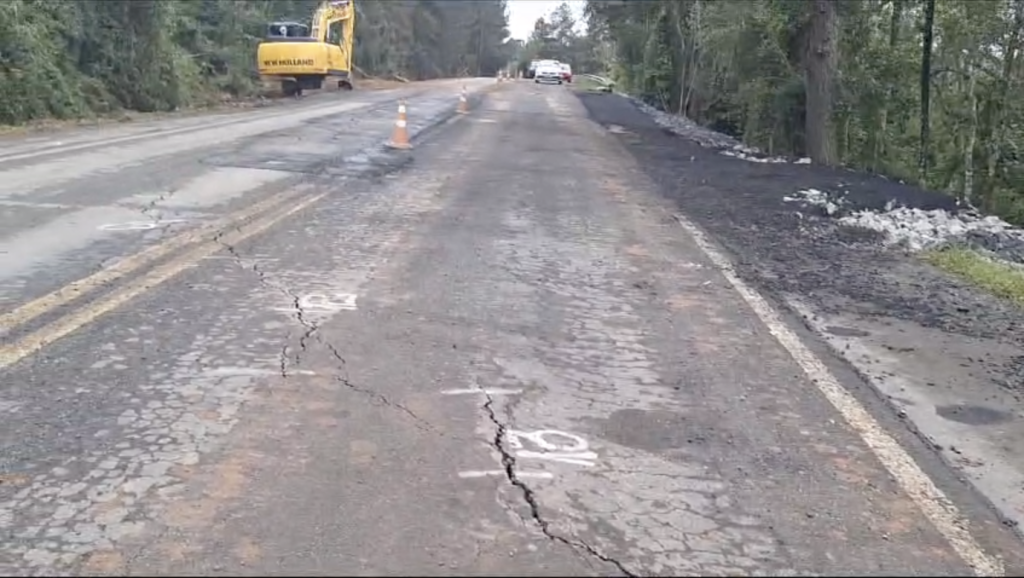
(499, 354)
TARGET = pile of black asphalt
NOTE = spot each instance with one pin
(794, 249)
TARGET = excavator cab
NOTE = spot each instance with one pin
(288, 32)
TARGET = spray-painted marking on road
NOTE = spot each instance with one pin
(578, 453)
(501, 474)
(323, 303)
(253, 372)
(335, 302)
(482, 391)
(139, 225)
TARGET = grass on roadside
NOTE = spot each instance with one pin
(586, 84)
(1002, 279)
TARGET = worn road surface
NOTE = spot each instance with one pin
(501, 353)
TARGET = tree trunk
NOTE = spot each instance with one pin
(993, 129)
(820, 68)
(883, 115)
(480, 39)
(972, 133)
(676, 13)
(694, 48)
(926, 89)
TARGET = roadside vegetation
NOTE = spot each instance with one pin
(927, 91)
(583, 82)
(1003, 279)
(80, 58)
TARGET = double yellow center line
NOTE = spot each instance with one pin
(202, 242)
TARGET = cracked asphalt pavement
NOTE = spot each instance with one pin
(497, 354)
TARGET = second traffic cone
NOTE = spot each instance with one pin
(463, 105)
(400, 135)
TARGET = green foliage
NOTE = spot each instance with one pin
(741, 64)
(556, 38)
(1003, 279)
(72, 58)
(433, 38)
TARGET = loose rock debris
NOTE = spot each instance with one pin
(902, 222)
(729, 146)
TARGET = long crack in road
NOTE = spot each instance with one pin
(496, 354)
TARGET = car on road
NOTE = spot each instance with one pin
(548, 72)
(531, 70)
(566, 71)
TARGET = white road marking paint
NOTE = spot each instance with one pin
(515, 438)
(578, 453)
(501, 474)
(321, 302)
(32, 205)
(253, 371)
(138, 225)
(587, 459)
(9, 406)
(942, 512)
(481, 391)
(235, 259)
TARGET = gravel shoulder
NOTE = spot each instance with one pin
(947, 357)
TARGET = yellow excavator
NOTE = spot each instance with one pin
(300, 59)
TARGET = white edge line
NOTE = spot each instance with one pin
(501, 473)
(935, 505)
(471, 391)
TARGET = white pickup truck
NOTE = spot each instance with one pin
(548, 71)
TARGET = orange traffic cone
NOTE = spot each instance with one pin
(463, 105)
(400, 135)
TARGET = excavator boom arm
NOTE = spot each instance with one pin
(328, 13)
(332, 11)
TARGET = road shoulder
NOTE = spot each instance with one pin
(851, 295)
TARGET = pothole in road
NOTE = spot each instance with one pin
(846, 331)
(653, 430)
(972, 414)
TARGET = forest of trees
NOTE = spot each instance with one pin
(558, 37)
(73, 58)
(927, 91)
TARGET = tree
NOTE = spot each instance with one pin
(69, 58)
(820, 69)
(915, 89)
(927, 32)
(555, 38)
